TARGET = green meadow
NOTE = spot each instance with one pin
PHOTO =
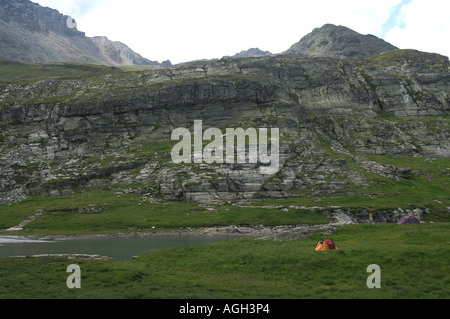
(413, 261)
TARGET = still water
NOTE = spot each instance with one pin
(120, 248)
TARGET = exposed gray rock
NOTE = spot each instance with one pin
(32, 33)
(299, 232)
(340, 42)
(345, 217)
(250, 53)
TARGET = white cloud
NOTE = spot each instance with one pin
(426, 27)
(74, 8)
(182, 30)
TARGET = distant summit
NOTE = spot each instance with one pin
(250, 53)
(339, 42)
(32, 33)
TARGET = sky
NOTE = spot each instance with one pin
(186, 30)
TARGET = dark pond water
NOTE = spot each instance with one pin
(120, 248)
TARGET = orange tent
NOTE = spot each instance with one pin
(325, 245)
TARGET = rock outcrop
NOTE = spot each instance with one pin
(65, 135)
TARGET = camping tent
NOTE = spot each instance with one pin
(325, 245)
(410, 219)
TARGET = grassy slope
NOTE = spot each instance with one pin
(125, 213)
(413, 261)
(429, 189)
(25, 73)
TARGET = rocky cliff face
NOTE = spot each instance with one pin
(118, 53)
(59, 136)
(31, 33)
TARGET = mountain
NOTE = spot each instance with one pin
(338, 41)
(360, 129)
(250, 53)
(370, 133)
(32, 33)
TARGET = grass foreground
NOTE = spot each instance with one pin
(413, 261)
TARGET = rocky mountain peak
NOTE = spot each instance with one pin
(32, 33)
(35, 18)
(250, 53)
(338, 41)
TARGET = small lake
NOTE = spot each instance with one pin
(119, 248)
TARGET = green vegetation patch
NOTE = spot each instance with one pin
(399, 57)
(114, 212)
(25, 73)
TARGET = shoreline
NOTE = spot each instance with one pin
(232, 231)
(277, 233)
